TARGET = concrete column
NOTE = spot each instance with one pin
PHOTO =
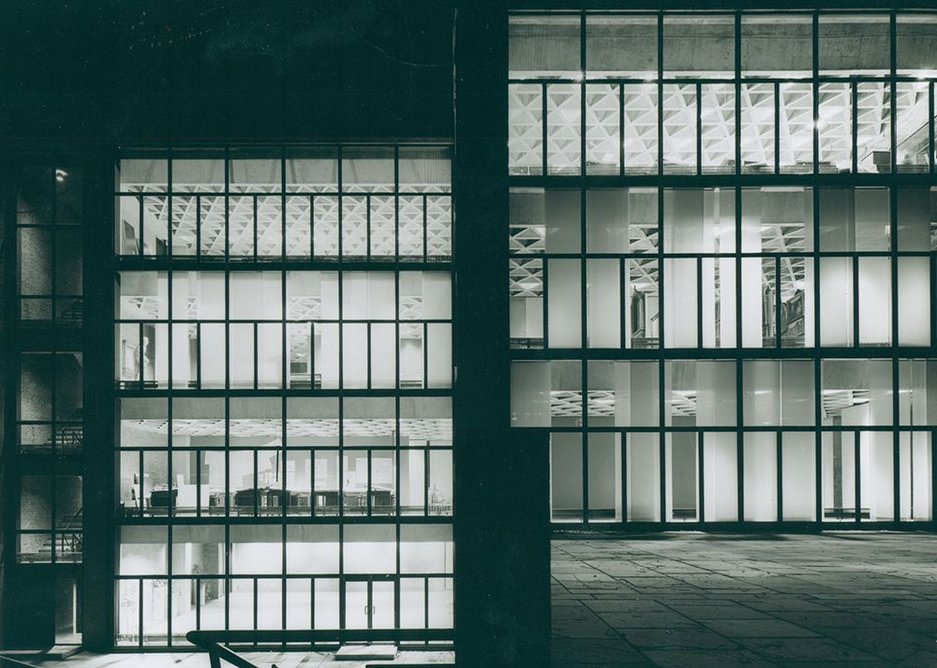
(501, 521)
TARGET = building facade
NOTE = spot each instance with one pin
(261, 370)
(721, 264)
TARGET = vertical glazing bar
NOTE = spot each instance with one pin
(854, 133)
(544, 130)
(699, 301)
(856, 302)
(777, 128)
(425, 380)
(198, 355)
(930, 127)
(340, 199)
(198, 228)
(660, 112)
(583, 124)
(816, 93)
(701, 477)
(857, 475)
(546, 302)
(623, 338)
(584, 463)
(737, 110)
(312, 227)
(142, 241)
(933, 476)
(699, 126)
(779, 466)
(140, 612)
(778, 338)
(425, 257)
(893, 89)
(621, 129)
(256, 253)
(624, 477)
(739, 447)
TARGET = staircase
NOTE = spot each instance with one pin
(67, 439)
(67, 541)
(73, 314)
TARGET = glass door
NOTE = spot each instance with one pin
(370, 602)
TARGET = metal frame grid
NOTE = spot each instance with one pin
(530, 261)
(328, 435)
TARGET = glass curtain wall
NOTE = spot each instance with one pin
(283, 372)
(722, 242)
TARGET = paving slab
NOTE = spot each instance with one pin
(695, 599)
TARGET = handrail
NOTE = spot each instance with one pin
(71, 521)
(214, 642)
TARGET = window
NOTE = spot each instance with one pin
(265, 408)
(720, 276)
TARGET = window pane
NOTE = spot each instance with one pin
(643, 468)
(604, 455)
(854, 219)
(603, 136)
(798, 476)
(720, 469)
(915, 482)
(311, 169)
(621, 220)
(563, 300)
(541, 46)
(777, 220)
(621, 46)
(760, 477)
(914, 299)
(873, 127)
(759, 119)
(564, 125)
(701, 46)
(836, 301)
(717, 127)
(854, 44)
(144, 174)
(368, 169)
(525, 129)
(640, 131)
(623, 394)
(778, 392)
(566, 477)
(875, 301)
(835, 127)
(603, 303)
(857, 392)
(916, 46)
(777, 46)
(680, 303)
(680, 129)
(796, 127)
(546, 392)
(700, 393)
(682, 476)
(911, 131)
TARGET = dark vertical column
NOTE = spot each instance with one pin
(99, 406)
(502, 569)
(7, 391)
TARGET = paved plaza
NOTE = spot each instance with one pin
(696, 599)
